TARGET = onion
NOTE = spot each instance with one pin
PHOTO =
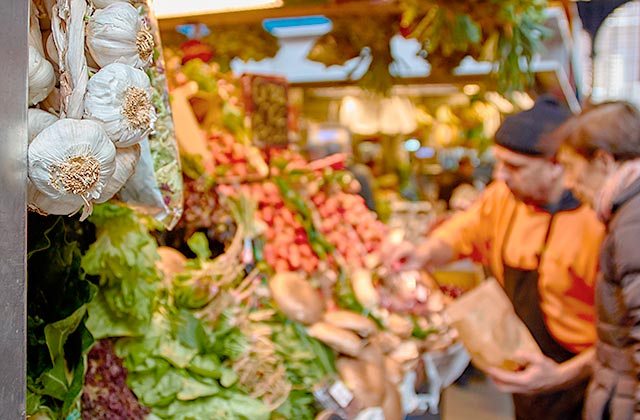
(363, 288)
(171, 261)
(392, 404)
(393, 371)
(296, 297)
(365, 380)
(400, 326)
(387, 341)
(405, 352)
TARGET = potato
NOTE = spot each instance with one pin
(365, 380)
(339, 339)
(352, 321)
(392, 404)
(296, 297)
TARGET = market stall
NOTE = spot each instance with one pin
(188, 258)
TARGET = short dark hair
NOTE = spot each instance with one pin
(613, 127)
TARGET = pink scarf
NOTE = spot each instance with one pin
(620, 180)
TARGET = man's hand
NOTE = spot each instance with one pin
(405, 257)
(541, 374)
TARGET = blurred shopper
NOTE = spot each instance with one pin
(602, 160)
(449, 181)
(542, 244)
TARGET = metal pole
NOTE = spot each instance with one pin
(14, 18)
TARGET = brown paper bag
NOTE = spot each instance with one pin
(489, 327)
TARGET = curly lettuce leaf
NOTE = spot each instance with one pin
(123, 257)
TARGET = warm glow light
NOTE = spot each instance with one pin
(175, 8)
(471, 90)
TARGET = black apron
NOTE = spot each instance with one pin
(521, 286)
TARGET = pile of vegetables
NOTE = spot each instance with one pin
(215, 348)
(234, 161)
(287, 245)
(350, 226)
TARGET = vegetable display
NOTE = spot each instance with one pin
(306, 256)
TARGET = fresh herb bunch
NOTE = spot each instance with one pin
(508, 33)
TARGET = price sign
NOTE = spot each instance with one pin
(267, 103)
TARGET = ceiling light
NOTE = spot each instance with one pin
(425, 153)
(412, 145)
(173, 8)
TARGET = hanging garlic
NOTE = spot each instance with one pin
(101, 4)
(42, 204)
(51, 50)
(126, 160)
(119, 96)
(119, 34)
(38, 120)
(35, 35)
(42, 79)
(71, 160)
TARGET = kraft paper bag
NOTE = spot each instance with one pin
(489, 327)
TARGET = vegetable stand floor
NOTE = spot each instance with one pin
(477, 400)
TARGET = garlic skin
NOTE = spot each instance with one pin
(119, 96)
(38, 202)
(126, 161)
(119, 34)
(38, 120)
(42, 78)
(101, 4)
(72, 160)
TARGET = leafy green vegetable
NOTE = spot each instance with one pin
(208, 365)
(123, 257)
(57, 340)
(231, 406)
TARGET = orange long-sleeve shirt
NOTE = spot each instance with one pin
(568, 269)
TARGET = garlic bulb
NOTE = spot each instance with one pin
(72, 160)
(119, 96)
(42, 204)
(119, 34)
(126, 160)
(42, 79)
(101, 4)
(38, 120)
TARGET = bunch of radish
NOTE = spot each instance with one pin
(284, 160)
(287, 246)
(233, 160)
(349, 225)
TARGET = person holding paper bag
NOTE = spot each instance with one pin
(601, 154)
(542, 245)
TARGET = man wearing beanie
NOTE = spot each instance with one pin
(542, 245)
